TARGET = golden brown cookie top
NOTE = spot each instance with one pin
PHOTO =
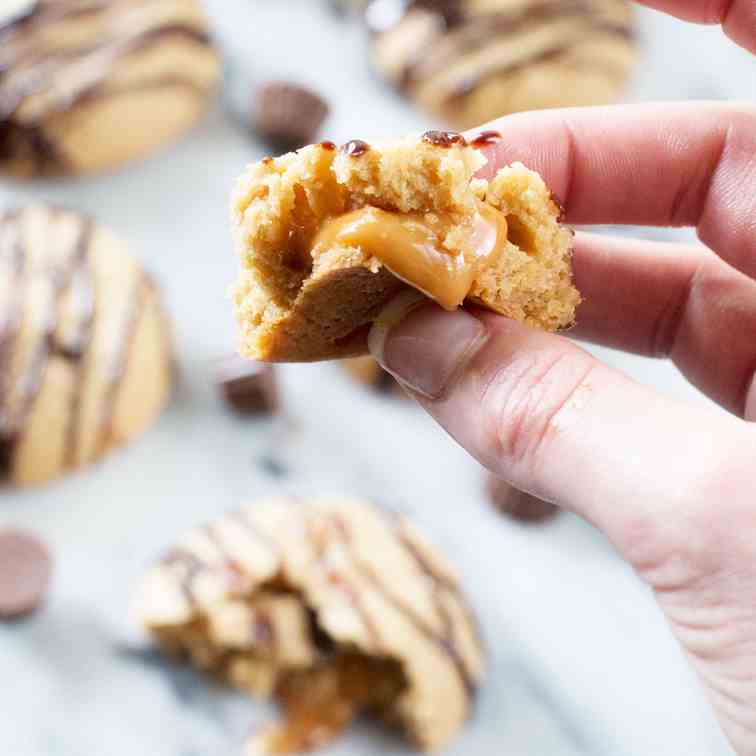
(58, 55)
(350, 580)
(328, 235)
(80, 323)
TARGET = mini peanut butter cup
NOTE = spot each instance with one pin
(25, 569)
(288, 115)
(248, 387)
(517, 504)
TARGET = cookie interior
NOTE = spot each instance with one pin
(298, 301)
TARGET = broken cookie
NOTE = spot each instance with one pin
(332, 606)
(327, 236)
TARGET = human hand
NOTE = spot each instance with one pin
(673, 486)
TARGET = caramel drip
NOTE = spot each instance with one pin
(26, 71)
(445, 641)
(471, 32)
(70, 280)
(412, 247)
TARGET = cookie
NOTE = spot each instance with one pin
(368, 372)
(85, 361)
(469, 61)
(327, 236)
(332, 606)
(87, 85)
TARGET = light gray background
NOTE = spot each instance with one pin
(581, 662)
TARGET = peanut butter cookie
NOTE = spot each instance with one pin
(470, 61)
(333, 607)
(87, 85)
(327, 236)
(85, 362)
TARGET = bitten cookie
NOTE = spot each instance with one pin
(470, 61)
(334, 607)
(327, 236)
(87, 85)
(85, 361)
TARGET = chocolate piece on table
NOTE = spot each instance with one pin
(518, 504)
(288, 115)
(247, 386)
(25, 568)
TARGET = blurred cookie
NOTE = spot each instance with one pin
(87, 85)
(368, 372)
(334, 607)
(85, 362)
(328, 236)
(470, 61)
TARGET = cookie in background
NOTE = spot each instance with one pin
(333, 607)
(85, 354)
(87, 86)
(470, 61)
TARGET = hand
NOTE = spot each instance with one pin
(673, 486)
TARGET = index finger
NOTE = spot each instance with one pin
(681, 164)
(736, 17)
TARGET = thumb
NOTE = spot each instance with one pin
(544, 414)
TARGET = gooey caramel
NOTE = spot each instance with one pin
(414, 247)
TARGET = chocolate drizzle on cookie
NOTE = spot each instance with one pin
(42, 76)
(465, 32)
(444, 139)
(355, 148)
(66, 333)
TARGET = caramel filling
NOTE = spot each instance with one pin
(417, 247)
(320, 703)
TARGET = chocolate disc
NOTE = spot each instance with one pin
(25, 567)
(517, 504)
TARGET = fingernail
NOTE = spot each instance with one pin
(423, 346)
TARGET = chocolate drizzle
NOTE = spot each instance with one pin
(441, 587)
(468, 32)
(68, 278)
(485, 138)
(62, 78)
(355, 148)
(444, 139)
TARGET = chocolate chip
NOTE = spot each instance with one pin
(486, 137)
(25, 569)
(248, 387)
(288, 115)
(444, 138)
(518, 504)
(355, 148)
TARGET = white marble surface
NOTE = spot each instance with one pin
(581, 661)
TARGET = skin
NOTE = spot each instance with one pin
(672, 485)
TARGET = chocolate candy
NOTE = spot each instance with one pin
(518, 504)
(288, 115)
(248, 387)
(25, 568)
